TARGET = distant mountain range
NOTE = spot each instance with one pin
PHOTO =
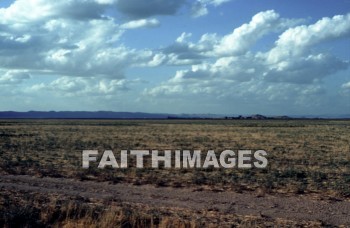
(143, 115)
(82, 115)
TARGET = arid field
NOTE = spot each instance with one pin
(306, 182)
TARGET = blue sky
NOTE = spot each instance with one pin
(176, 56)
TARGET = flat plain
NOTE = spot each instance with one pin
(306, 182)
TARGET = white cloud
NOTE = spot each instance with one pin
(229, 70)
(237, 43)
(346, 85)
(79, 86)
(184, 52)
(106, 2)
(183, 37)
(13, 77)
(58, 41)
(216, 2)
(305, 69)
(293, 59)
(75, 42)
(157, 60)
(243, 37)
(200, 7)
(22, 11)
(142, 23)
(294, 41)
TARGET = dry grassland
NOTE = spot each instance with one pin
(306, 157)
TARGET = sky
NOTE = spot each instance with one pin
(269, 57)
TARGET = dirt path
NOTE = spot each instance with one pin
(298, 208)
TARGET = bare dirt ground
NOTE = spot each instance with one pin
(298, 208)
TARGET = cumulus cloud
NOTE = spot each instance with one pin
(227, 68)
(142, 23)
(305, 69)
(184, 52)
(243, 37)
(200, 7)
(144, 9)
(294, 41)
(65, 38)
(80, 43)
(136, 9)
(236, 43)
(346, 86)
(292, 58)
(230, 69)
(13, 77)
(22, 11)
(81, 86)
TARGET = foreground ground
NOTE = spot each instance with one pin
(196, 201)
(306, 183)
